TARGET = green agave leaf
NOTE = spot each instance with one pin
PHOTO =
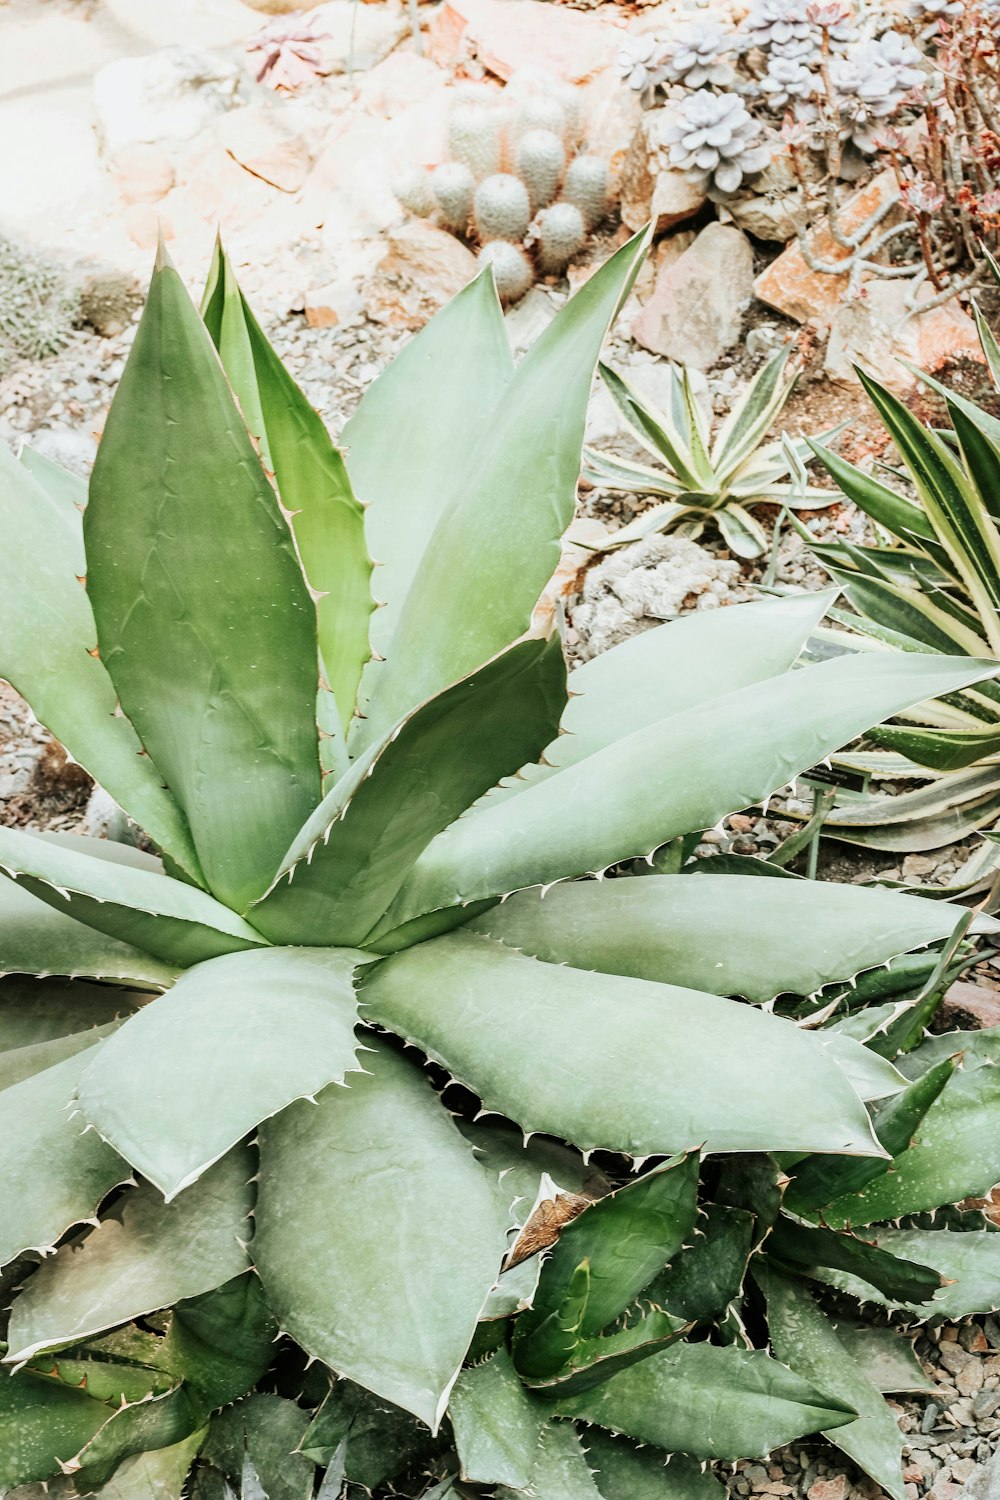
(159, 1475)
(753, 414)
(48, 652)
(955, 1154)
(941, 749)
(968, 1261)
(474, 1006)
(385, 1158)
(25, 1062)
(980, 450)
(892, 511)
(710, 1403)
(327, 521)
(588, 1362)
(947, 809)
(623, 1238)
(726, 934)
(204, 620)
(803, 1336)
(379, 1439)
(870, 1075)
(66, 490)
(681, 774)
(633, 479)
(55, 1171)
(235, 1041)
(43, 1424)
(658, 433)
(802, 1247)
(497, 1424)
(266, 1430)
(222, 1342)
(497, 541)
(437, 398)
(354, 853)
(155, 1421)
(561, 1470)
(707, 1275)
(36, 1011)
(36, 938)
(885, 1358)
(624, 1472)
(177, 923)
(145, 1255)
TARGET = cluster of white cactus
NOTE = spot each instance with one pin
(518, 183)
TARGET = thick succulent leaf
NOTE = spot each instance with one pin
(157, 1419)
(55, 1172)
(804, 1337)
(358, 847)
(326, 519)
(940, 749)
(726, 934)
(266, 1430)
(145, 1255)
(969, 1263)
(204, 620)
(955, 1154)
(624, 1472)
(221, 1343)
(378, 1439)
(497, 541)
(659, 434)
(235, 1041)
(801, 1247)
(711, 1403)
(36, 938)
(496, 1020)
(892, 511)
(43, 1424)
(436, 398)
(752, 416)
(742, 534)
(370, 1204)
(870, 1075)
(948, 808)
(561, 1470)
(707, 1275)
(24, 1062)
(66, 490)
(158, 1475)
(177, 923)
(47, 652)
(673, 777)
(885, 1357)
(36, 1011)
(497, 1423)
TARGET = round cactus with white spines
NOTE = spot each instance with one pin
(475, 138)
(541, 112)
(512, 269)
(541, 160)
(560, 232)
(501, 208)
(412, 186)
(453, 185)
(587, 185)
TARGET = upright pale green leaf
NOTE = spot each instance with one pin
(370, 1204)
(48, 645)
(145, 1255)
(36, 938)
(612, 1062)
(497, 541)
(804, 1337)
(177, 923)
(436, 398)
(355, 852)
(326, 519)
(672, 777)
(55, 1171)
(204, 621)
(158, 1475)
(624, 1472)
(561, 1470)
(711, 1403)
(235, 1041)
(43, 1424)
(497, 1423)
(723, 933)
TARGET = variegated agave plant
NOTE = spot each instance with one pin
(210, 1131)
(703, 479)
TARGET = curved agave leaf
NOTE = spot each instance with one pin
(144, 1256)
(43, 1423)
(261, 1435)
(36, 1011)
(370, 1204)
(157, 1475)
(235, 1041)
(803, 1336)
(885, 1357)
(711, 1403)
(497, 1423)
(949, 808)
(177, 923)
(327, 521)
(624, 1472)
(47, 652)
(722, 933)
(466, 1001)
(203, 617)
(802, 1247)
(672, 777)
(561, 1470)
(24, 1062)
(497, 541)
(706, 1276)
(968, 1262)
(356, 850)
(55, 1171)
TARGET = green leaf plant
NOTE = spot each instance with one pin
(699, 479)
(266, 1092)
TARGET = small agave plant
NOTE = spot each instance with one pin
(244, 1233)
(702, 479)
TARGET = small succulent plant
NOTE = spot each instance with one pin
(697, 52)
(284, 54)
(587, 185)
(782, 27)
(560, 232)
(453, 186)
(715, 139)
(513, 271)
(787, 81)
(38, 308)
(870, 82)
(541, 162)
(640, 63)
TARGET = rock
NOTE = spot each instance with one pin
(772, 211)
(876, 331)
(336, 305)
(509, 34)
(259, 140)
(396, 84)
(170, 95)
(143, 172)
(281, 7)
(695, 311)
(986, 1484)
(611, 117)
(829, 1489)
(108, 298)
(966, 1003)
(68, 446)
(144, 225)
(422, 269)
(358, 36)
(789, 285)
(650, 190)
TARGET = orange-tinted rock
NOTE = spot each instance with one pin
(143, 172)
(143, 225)
(789, 285)
(422, 269)
(263, 146)
(965, 1002)
(509, 34)
(877, 331)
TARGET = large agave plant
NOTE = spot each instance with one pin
(211, 1133)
